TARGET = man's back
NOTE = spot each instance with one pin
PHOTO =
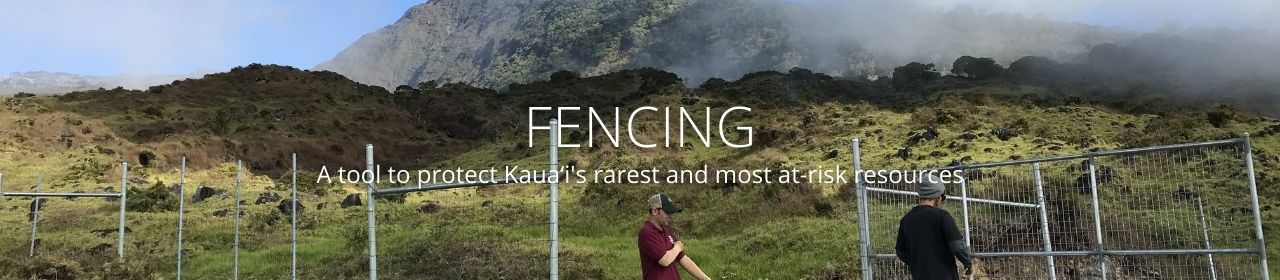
(924, 235)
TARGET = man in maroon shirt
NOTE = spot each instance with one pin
(659, 247)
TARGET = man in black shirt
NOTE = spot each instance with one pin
(928, 241)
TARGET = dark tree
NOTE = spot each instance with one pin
(563, 76)
(978, 68)
(914, 73)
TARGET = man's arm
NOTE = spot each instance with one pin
(692, 268)
(652, 246)
(956, 241)
(672, 255)
(900, 248)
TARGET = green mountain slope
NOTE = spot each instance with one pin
(261, 114)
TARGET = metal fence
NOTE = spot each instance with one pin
(550, 176)
(1185, 211)
(38, 200)
(373, 191)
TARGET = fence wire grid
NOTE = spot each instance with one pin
(1173, 212)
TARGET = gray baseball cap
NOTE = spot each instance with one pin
(930, 186)
(663, 201)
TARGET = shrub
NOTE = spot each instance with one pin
(156, 198)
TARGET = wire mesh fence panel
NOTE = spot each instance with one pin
(1075, 267)
(1223, 266)
(1155, 200)
(489, 239)
(1174, 212)
(481, 232)
(889, 268)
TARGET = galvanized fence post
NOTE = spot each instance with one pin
(373, 232)
(293, 214)
(35, 215)
(554, 178)
(235, 243)
(1044, 219)
(1257, 215)
(124, 197)
(182, 207)
(864, 235)
(964, 214)
(1204, 229)
(1097, 219)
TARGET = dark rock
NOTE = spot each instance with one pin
(913, 139)
(833, 154)
(1268, 131)
(486, 203)
(904, 153)
(430, 207)
(1004, 134)
(203, 193)
(973, 175)
(320, 206)
(824, 209)
(688, 101)
(286, 207)
(1183, 194)
(1082, 184)
(577, 137)
(809, 119)
(937, 154)
(101, 248)
(968, 136)
(350, 200)
(31, 209)
(221, 213)
(930, 133)
(56, 271)
(267, 197)
(1104, 173)
(145, 157)
(728, 187)
(109, 231)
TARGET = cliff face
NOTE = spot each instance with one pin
(440, 40)
(493, 43)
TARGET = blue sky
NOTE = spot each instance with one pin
(172, 37)
(93, 37)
